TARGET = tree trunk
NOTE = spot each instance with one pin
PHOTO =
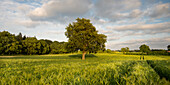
(83, 56)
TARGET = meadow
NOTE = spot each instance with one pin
(97, 69)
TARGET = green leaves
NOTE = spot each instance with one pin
(125, 50)
(83, 35)
(11, 44)
(144, 48)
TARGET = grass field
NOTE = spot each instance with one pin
(97, 69)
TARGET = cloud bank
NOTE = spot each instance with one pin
(125, 22)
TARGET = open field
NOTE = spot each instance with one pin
(99, 68)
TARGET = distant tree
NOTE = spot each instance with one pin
(47, 41)
(19, 37)
(11, 44)
(24, 37)
(108, 51)
(168, 47)
(125, 50)
(144, 49)
(84, 36)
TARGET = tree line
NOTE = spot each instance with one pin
(145, 50)
(11, 44)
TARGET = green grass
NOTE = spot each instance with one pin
(97, 69)
(161, 67)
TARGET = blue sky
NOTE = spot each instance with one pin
(127, 23)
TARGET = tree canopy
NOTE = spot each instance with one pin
(84, 36)
(144, 48)
(11, 45)
(126, 49)
(168, 47)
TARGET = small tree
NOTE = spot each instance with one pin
(144, 49)
(108, 51)
(84, 36)
(125, 50)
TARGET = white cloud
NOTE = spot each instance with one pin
(29, 23)
(137, 27)
(52, 32)
(60, 8)
(130, 10)
(102, 21)
(158, 11)
(116, 9)
(105, 31)
(120, 20)
(113, 38)
(39, 12)
(24, 8)
(135, 13)
(116, 33)
(110, 6)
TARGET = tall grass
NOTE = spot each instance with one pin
(109, 69)
(161, 67)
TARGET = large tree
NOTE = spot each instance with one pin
(144, 49)
(84, 36)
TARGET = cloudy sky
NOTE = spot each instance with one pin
(127, 23)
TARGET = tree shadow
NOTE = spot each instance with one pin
(49, 57)
(35, 57)
(80, 56)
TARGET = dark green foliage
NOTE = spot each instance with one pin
(161, 52)
(44, 47)
(168, 47)
(19, 37)
(11, 44)
(161, 67)
(144, 49)
(84, 36)
(108, 51)
(47, 41)
(58, 47)
(30, 45)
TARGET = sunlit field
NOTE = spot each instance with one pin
(97, 69)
